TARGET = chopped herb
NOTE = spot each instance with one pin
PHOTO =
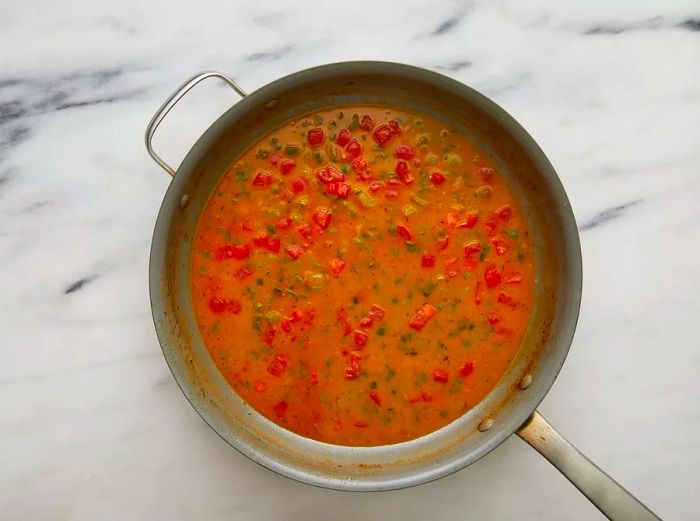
(354, 122)
(241, 176)
(262, 153)
(390, 373)
(510, 233)
(381, 330)
(259, 282)
(292, 150)
(411, 247)
(484, 252)
(273, 316)
(367, 200)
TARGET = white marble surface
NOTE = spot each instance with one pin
(93, 426)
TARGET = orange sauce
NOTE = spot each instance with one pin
(362, 276)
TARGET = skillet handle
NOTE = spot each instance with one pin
(603, 491)
(172, 101)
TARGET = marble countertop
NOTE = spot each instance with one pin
(93, 425)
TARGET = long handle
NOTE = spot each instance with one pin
(172, 101)
(603, 491)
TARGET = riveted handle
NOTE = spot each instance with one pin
(603, 491)
(172, 101)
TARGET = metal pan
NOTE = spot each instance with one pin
(509, 408)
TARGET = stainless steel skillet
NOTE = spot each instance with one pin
(510, 406)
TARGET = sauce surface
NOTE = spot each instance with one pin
(362, 276)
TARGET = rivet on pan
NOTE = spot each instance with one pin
(525, 382)
(486, 425)
(184, 201)
(271, 104)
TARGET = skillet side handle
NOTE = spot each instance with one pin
(603, 491)
(169, 103)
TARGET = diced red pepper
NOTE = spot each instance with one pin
(284, 223)
(376, 185)
(505, 298)
(367, 122)
(470, 263)
(443, 243)
(361, 425)
(269, 335)
(286, 324)
(366, 323)
(375, 398)
(217, 304)
(466, 369)
(343, 138)
(294, 251)
(358, 163)
(394, 126)
(330, 174)
(451, 261)
(277, 366)
(477, 293)
(260, 240)
(422, 317)
(451, 219)
(305, 231)
(273, 244)
(490, 225)
(322, 216)
(377, 312)
(287, 165)
(513, 278)
(232, 251)
(437, 178)
(486, 173)
(246, 225)
(313, 378)
(391, 194)
(393, 182)
(404, 152)
(274, 159)
(298, 185)
(469, 222)
(262, 179)
(492, 318)
(492, 276)
(360, 338)
(280, 409)
(499, 245)
(337, 266)
(242, 273)
(286, 195)
(297, 315)
(340, 189)
(342, 317)
(472, 247)
(402, 171)
(354, 148)
(259, 387)
(427, 261)
(404, 232)
(382, 134)
(315, 137)
(504, 212)
(441, 376)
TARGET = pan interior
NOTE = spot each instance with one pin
(558, 271)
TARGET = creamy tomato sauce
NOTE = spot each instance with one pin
(362, 276)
